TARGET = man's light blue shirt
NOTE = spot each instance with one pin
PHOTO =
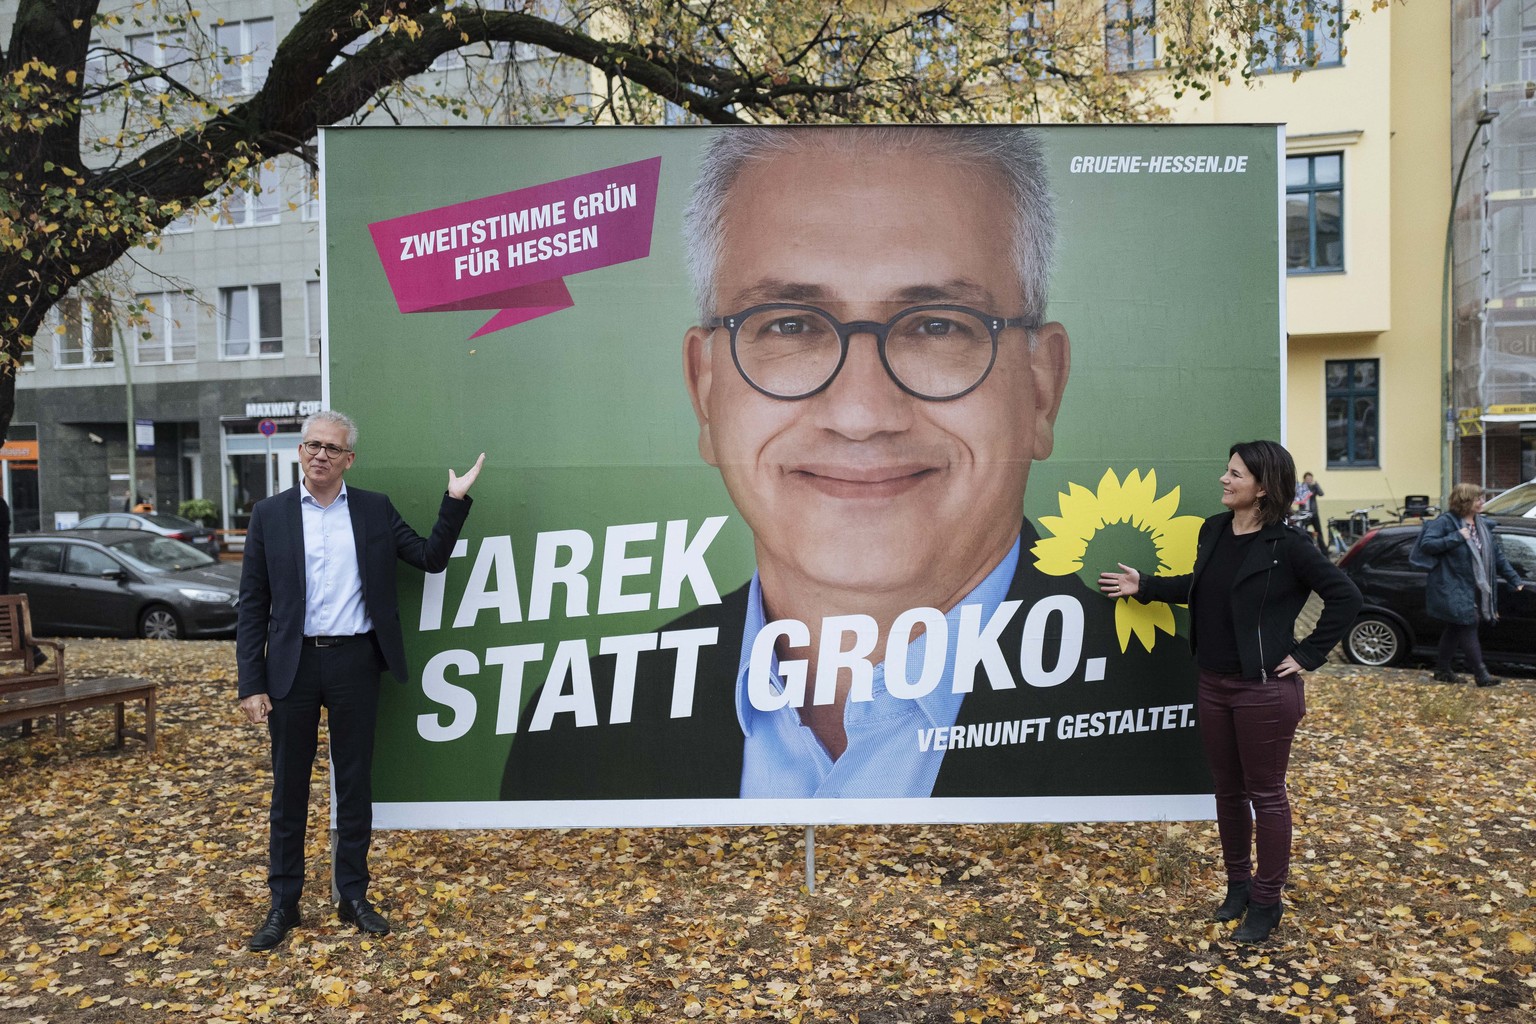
(333, 587)
(784, 759)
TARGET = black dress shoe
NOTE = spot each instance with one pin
(280, 920)
(362, 914)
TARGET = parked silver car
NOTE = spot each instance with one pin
(123, 583)
(1519, 500)
(163, 523)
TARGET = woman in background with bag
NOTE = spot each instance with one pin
(1463, 557)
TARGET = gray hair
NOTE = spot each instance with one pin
(338, 419)
(1015, 152)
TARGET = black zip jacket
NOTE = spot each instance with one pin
(1272, 584)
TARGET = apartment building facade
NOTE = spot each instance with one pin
(202, 357)
(1493, 306)
(228, 358)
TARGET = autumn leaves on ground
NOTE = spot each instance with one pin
(129, 882)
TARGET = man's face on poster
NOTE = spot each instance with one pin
(864, 489)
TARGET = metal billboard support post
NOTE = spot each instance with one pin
(810, 859)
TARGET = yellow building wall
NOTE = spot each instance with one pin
(1387, 110)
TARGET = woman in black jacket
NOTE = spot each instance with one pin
(1251, 577)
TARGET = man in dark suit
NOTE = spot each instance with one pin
(318, 623)
(873, 375)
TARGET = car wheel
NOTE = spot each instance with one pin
(159, 623)
(1376, 641)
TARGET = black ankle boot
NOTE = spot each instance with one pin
(1484, 678)
(1234, 905)
(1261, 920)
(1444, 675)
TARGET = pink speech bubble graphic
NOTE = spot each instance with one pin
(512, 252)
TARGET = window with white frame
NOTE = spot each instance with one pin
(312, 311)
(309, 200)
(1129, 40)
(167, 331)
(1317, 30)
(82, 332)
(250, 321)
(163, 50)
(181, 225)
(245, 55)
(250, 207)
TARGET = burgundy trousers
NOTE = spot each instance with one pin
(1247, 727)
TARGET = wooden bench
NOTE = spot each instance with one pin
(30, 689)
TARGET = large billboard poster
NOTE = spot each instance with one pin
(804, 450)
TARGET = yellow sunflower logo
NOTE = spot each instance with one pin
(1122, 521)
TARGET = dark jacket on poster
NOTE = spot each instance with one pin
(1450, 593)
(272, 593)
(701, 756)
(1272, 584)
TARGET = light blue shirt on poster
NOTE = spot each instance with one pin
(784, 759)
(333, 587)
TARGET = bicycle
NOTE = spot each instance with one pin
(1349, 529)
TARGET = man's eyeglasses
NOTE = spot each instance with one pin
(938, 353)
(316, 447)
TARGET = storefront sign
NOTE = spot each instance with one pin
(281, 410)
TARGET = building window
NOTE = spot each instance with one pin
(161, 51)
(83, 332)
(168, 331)
(933, 37)
(261, 204)
(309, 201)
(1352, 387)
(312, 310)
(250, 322)
(1129, 42)
(245, 55)
(1316, 29)
(1314, 213)
(1027, 42)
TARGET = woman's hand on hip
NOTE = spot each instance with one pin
(1288, 667)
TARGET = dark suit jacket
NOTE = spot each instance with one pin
(657, 756)
(272, 598)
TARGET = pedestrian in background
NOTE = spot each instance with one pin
(1463, 557)
(1307, 493)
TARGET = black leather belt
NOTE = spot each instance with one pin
(335, 641)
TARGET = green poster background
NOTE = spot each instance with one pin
(1169, 284)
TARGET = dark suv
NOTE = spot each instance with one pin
(1392, 624)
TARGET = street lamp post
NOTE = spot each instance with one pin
(1484, 118)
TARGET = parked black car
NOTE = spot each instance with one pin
(1392, 626)
(163, 523)
(123, 583)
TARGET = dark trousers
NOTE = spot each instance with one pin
(1247, 728)
(345, 681)
(1465, 638)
